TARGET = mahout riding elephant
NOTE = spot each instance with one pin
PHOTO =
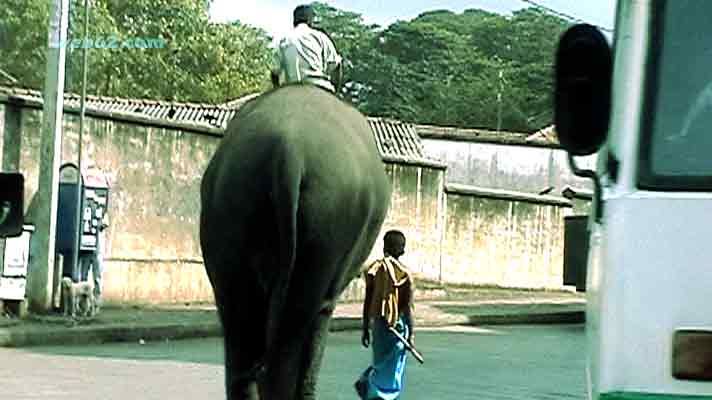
(291, 205)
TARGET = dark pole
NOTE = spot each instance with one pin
(82, 113)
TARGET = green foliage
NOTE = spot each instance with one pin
(198, 61)
(451, 69)
(474, 69)
(23, 25)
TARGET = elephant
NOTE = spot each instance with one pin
(292, 203)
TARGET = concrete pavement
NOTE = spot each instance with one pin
(537, 362)
(468, 307)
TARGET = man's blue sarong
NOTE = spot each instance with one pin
(384, 379)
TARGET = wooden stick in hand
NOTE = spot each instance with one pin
(408, 346)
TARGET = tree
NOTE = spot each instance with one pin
(198, 61)
(470, 69)
(23, 24)
(355, 41)
(474, 69)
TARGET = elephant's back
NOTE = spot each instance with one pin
(328, 139)
(296, 110)
(310, 121)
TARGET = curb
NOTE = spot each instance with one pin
(344, 324)
(106, 334)
(562, 317)
(130, 333)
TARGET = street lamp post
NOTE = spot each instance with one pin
(41, 270)
(82, 114)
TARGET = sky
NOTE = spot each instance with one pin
(275, 16)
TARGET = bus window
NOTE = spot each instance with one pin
(677, 134)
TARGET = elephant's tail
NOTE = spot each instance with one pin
(287, 172)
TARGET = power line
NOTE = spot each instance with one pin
(563, 15)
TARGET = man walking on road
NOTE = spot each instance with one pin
(389, 303)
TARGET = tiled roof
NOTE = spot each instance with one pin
(455, 188)
(207, 114)
(577, 193)
(5, 77)
(397, 141)
(547, 135)
(482, 135)
(237, 103)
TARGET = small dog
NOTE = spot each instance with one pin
(78, 299)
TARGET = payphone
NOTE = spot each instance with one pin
(66, 236)
(94, 194)
(95, 202)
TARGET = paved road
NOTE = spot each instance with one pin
(519, 362)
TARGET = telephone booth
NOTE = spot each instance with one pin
(95, 202)
(66, 239)
(94, 192)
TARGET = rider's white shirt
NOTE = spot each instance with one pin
(306, 54)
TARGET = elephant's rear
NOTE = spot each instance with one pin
(301, 140)
(291, 205)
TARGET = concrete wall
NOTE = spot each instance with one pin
(506, 166)
(491, 237)
(415, 210)
(153, 251)
(495, 238)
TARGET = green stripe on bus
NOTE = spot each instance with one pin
(649, 396)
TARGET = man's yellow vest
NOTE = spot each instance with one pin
(389, 277)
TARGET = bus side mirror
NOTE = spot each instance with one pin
(11, 204)
(583, 79)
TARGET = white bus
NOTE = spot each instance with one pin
(645, 108)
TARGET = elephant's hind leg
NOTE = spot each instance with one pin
(293, 376)
(240, 365)
(242, 317)
(280, 379)
(313, 354)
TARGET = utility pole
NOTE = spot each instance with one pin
(82, 115)
(499, 102)
(41, 270)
